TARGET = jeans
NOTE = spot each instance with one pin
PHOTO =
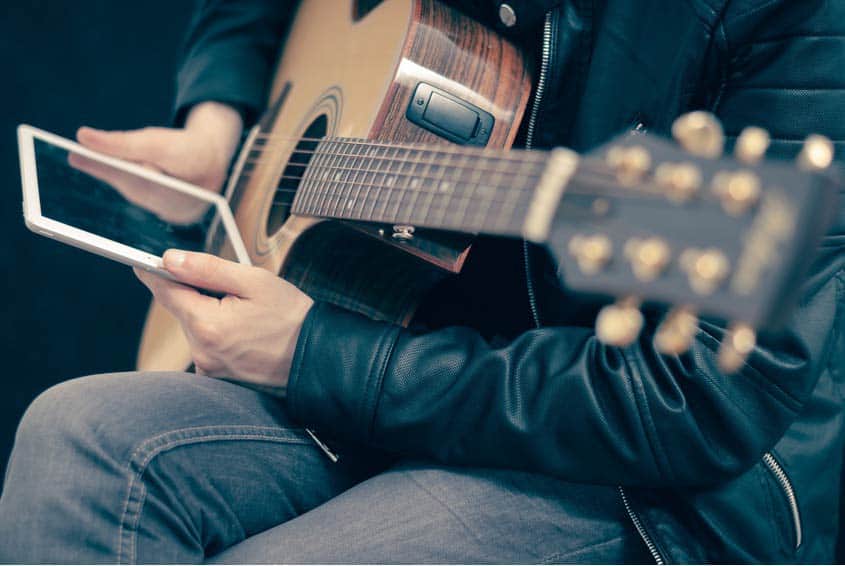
(171, 467)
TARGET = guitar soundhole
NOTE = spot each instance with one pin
(292, 175)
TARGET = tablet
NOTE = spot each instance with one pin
(117, 209)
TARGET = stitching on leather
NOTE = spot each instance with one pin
(747, 371)
(644, 411)
(755, 9)
(391, 345)
(782, 88)
(296, 366)
(187, 436)
(365, 401)
(779, 38)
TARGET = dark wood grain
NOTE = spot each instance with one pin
(377, 275)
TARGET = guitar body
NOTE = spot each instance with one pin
(350, 69)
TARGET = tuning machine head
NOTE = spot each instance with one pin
(619, 324)
(631, 163)
(737, 190)
(816, 154)
(591, 252)
(739, 341)
(705, 269)
(700, 133)
(648, 257)
(675, 334)
(751, 145)
(680, 181)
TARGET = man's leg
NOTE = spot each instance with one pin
(418, 513)
(160, 467)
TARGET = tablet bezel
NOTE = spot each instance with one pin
(83, 239)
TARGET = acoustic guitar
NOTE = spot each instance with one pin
(385, 148)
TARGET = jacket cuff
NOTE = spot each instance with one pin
(222, 76)
(337, 372)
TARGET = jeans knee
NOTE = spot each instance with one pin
(106, 411)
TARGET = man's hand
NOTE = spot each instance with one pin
(250, 334)
(198, 153)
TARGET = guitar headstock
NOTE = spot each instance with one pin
(650, 221)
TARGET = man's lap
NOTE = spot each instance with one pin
(175, 467)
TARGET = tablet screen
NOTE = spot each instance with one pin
(121, 206)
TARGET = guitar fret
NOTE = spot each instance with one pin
(495, 205)
(336, 177)
(370, 163)
(352, 203)
(324, 180)
(467, 191)
(433, 195)
(416, 193)
(461, 217)
(404, 190)
(311, 186)
(344, 168)
(423, 181)
(511, 197)
(391, 178)
(365, 165)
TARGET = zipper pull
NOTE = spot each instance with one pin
(323, 446)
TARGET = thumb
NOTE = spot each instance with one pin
(146, 144)
(213, 273)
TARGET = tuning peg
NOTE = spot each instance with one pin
(700, 133)
(619, 324)
(738, 343)
(680, 180)
(705, 269)
(738, 190)
(591, 252)
(751, 145)
(648, 257)
(676, 332)
(631, 163)
(816, 154)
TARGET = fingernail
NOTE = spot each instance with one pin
(174, 258)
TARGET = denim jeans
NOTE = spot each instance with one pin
(169, 467)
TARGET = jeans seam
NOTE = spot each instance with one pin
(156, 445)
(552, 558)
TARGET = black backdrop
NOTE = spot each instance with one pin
(64, 63)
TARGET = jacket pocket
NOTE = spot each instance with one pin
(783, 486)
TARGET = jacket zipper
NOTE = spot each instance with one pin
(789, 492)
(545, 60)
(545, 64)
(652, 548)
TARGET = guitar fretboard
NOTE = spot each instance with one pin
(463, 189)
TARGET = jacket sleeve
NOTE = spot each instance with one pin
(557, 401)
(229, 54)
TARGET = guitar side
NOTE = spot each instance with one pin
(350, 70)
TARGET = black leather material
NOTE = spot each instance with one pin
(473, 384)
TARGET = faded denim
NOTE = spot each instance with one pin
(165, 467)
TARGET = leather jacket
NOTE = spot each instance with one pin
(710, 467)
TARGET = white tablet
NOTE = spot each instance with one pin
(119, 209)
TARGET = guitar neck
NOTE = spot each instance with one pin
(450, 188)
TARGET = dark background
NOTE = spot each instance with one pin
(64, 63)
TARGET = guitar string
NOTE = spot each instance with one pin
(286, 140)
(515, 155)
(586, 166)
(481, 157)
(521, 156)
(648, 189)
